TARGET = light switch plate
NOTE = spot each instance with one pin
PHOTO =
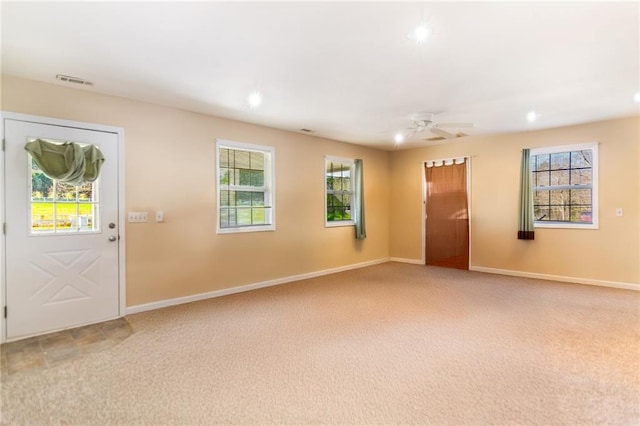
(137, 217)
(619, 212)
(159, 216)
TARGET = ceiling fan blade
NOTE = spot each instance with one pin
(460, 125)
(433, 138)
(443, 133)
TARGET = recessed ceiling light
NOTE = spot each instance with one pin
(398, 138)
(636, 97)
(420, 34)
(254, 99)
(532, 116)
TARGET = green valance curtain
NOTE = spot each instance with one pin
(525, 211)
(67, 162)
(358, 187)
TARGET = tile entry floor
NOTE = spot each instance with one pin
(53, 349)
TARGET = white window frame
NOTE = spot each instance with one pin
(269, 187)
(593, 146)
(352, 162)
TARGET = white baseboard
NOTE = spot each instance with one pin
(404, 260)
(227, 291)
(575, 280)
(224, 292)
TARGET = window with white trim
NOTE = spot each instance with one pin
(245, 189)
(338, 191)
(565, 186)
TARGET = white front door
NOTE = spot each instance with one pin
(61, 241)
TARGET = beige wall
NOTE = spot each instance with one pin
(184, 255)
(170, 166)
(610, 253)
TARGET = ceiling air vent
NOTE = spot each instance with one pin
(306, 130)
(75, 80)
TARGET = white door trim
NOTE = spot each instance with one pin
(119, 131)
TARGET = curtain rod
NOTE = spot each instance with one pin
(445, 161)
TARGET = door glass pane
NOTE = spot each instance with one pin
(42, 217)
(58, 207)
(66, 217)
(86, 192)
(41, 187)
(65, 192)
(86, 217)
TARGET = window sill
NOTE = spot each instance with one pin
(244, 229)
(339, 223)
(564, 225)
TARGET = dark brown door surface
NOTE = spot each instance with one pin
(447, 222)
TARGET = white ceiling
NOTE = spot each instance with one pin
(345, 70)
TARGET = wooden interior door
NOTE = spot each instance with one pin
(447, 215)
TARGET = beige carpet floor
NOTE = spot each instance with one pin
(388, 344)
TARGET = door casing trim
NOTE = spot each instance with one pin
(119, 131)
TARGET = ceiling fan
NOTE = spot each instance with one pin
(425, 122)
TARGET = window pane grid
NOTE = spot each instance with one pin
(57, 207)
(243, 216)
(244, 193)
(339, 191)
(562, 186)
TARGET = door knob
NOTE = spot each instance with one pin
(112, 238)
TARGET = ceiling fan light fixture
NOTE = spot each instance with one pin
(425, 121)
